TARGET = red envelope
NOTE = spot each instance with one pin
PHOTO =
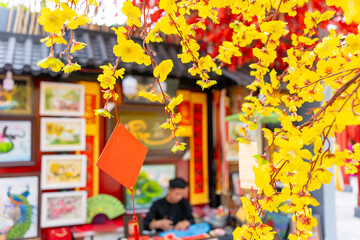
(122, 156)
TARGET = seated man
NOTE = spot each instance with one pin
(171, 212)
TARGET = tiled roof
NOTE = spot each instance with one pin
(20, 53)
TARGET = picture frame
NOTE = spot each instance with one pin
(17, 141)
(143, 122)
(129, 225)
(25, 189)
(63, 208)
(235, 180)
(62, 99)
(62, 134)
(157, 177)
(280, 222)
(16, 95)
(63, 171)
(240, 215)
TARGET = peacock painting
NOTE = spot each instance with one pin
(19, 207)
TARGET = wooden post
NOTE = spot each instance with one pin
(32, 23)
(37, 25)
(16, 19)
(21, 17)
(26, 21)
(8, 28)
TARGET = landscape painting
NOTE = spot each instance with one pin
(63, 171)
(151, 185)
(15, 95)
(16, 141)
(62, 134)
(61, 99)
(19, 207)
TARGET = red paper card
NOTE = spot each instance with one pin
(122, 156)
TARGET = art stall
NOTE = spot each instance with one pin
(50, 142)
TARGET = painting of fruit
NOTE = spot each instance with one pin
(15, 140)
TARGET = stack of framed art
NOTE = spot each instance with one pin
(19, 193)
(17, 125)
(62, 130)
(62, 133)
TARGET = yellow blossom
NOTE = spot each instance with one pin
(151, 96)
(132, 13)
(167, 125)
(328, 47)
(77, 46)
(350, 8)
(53, 39)
(71, 67)
(205, 83)
(102, 112)
(110, 94)
(163, 69)
(176, 118)
(226, 51)
(106, 81)
(354, 43)
(190, 51)
(128, 50)
(274, 28)
(120, 33)
(50, 62)
(82, 20)
(51, 20)
(174, 102)
(178, 147)
(169, 6)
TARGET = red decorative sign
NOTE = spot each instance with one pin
(122, 156)
(89, 152)
(198, 142)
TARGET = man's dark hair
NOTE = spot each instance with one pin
(177, 183)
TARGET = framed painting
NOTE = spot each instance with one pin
(63, 171)
(17, 141)
(63, 208)
(62, 134)
(15, 95)
(61, 99)
(19, 206)
(143, 122)
(151, 185)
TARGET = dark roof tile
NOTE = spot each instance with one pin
(20, 54)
